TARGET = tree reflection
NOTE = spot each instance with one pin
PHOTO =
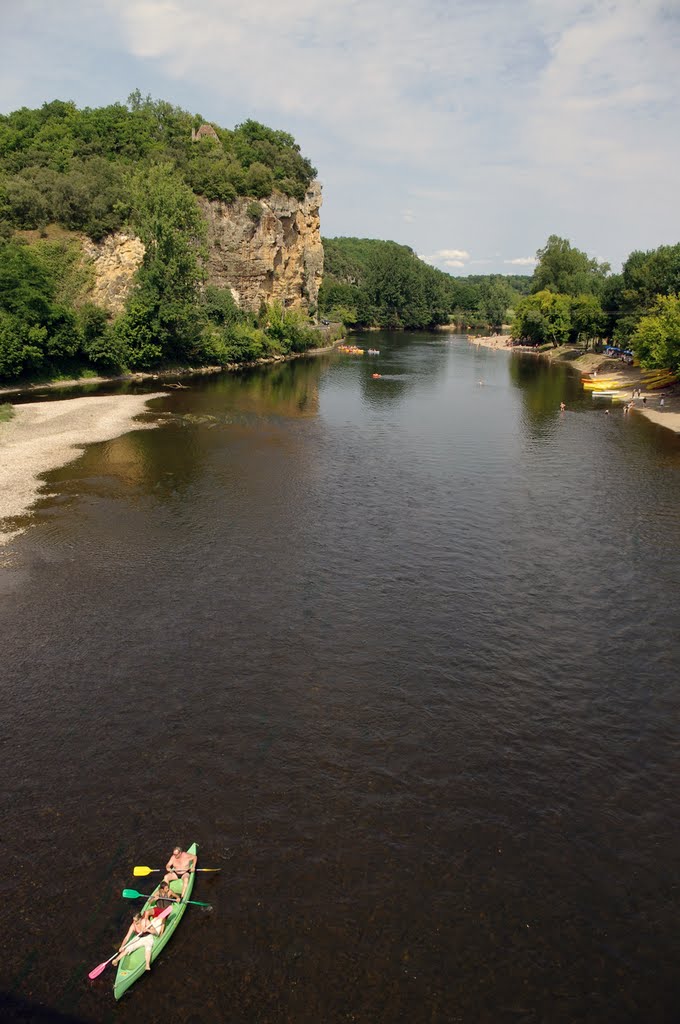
(543, 386)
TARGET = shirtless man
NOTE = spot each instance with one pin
(181, 865)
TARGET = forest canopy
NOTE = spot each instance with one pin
(62, 165)
(370, 283)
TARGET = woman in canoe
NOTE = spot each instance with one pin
(145, 932)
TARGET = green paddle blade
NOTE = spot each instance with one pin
(132, 894)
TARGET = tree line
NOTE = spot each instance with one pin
(371, 283)
(571, 298)
(576, 300)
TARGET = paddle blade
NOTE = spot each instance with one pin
(132, 894)
(139, 872)
(98, 970)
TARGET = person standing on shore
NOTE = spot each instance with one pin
(562, 407)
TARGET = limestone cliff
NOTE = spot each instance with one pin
(115, 261)
(263, 251)
(268, 250)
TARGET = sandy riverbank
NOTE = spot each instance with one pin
(625, 379)
(44, 435)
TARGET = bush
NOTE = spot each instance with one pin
(259, 181)
(245, 344)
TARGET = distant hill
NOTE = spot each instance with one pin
(372, 283)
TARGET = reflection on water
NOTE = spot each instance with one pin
(400, 654)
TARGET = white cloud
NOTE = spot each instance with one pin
(522, 261)
(452, 254)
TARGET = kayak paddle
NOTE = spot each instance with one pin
(138, 872)
(132, 894)
(98, 970)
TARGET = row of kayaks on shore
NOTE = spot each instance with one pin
(651, 381)
(132, 966)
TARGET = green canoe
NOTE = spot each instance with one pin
(132, 967)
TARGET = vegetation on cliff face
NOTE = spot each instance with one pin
(370, 283)
(59, 164)
(137, 167)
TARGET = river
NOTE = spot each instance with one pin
(399, 653)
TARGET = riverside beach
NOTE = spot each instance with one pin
(628, 378)
(42, 436)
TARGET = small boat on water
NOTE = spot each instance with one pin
(131, 967)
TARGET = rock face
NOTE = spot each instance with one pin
(269, 250)
(115, 260)
(263, 251)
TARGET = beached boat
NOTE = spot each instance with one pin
(132, 967)
(599, 385)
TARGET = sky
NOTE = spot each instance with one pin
(470, 130)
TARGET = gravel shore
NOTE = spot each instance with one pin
(44, 435)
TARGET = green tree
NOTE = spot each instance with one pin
(657, 337)
(588, 319)
(162, 319)
(566, 270)
(259, 181)
(543, 317)
(495, 301)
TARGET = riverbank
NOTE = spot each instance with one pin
(45, 435)
(626, 379)
(170, 374)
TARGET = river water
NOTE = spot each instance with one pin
(400, 654)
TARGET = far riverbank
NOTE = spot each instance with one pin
(628, 378)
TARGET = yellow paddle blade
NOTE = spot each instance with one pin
(143, 871)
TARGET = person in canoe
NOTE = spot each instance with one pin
(161, 898)
(181, 865)
(142, 933)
